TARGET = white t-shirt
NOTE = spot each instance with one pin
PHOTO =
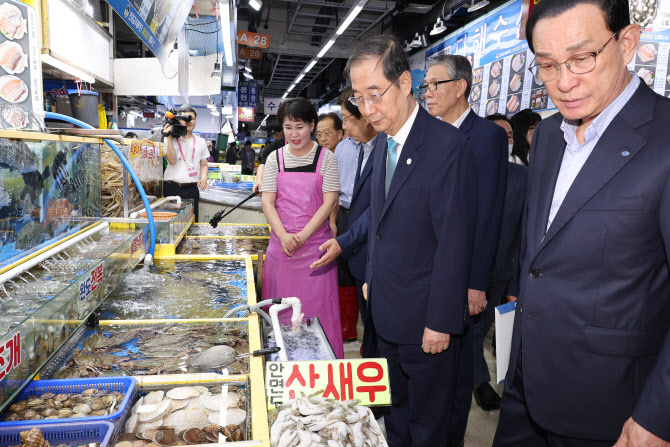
(178, 172)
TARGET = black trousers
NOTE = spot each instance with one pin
(421, 385)
(247, 171)
(344, 276)
(188, 192)
(462, 396)
(370, 350)
(516, 427)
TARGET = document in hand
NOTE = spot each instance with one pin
(504, 327)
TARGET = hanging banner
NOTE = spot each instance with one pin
(272, 105)
(156, 22)
(253, 39)
(247, 94)
(501, 81)
(245, 114)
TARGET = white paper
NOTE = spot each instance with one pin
(504, 326)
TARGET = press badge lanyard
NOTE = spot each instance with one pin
(189, 166)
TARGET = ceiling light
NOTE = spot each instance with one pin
(227, 109)
(284, 95)
(217, 71)
(299, 78)
(225, 32)
(247, 75)
(210, 103)
(438, 27)
(310, 66)
(416, 42)
(350, 18)
(288, 90)
(67, 68)
(247, 65)
(256, 4)
(325, 48)
(478, 5)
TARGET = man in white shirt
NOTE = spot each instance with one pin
(187, 156)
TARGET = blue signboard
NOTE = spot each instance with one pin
(247, 94)
(156, 22)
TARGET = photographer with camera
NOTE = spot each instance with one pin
(187, 157)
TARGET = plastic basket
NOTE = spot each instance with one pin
(73, 434)
(159, 215)
(74, 386)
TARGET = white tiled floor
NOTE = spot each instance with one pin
(481, 424)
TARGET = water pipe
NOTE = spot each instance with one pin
(30, 263)
(126, 164)
(136, 214)
(276, 327)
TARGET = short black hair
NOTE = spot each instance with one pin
(345, 104)
(278, 129)
(616, 12)
(247, 143)
(298, 109)
(131, 135)
(521, 122)
(185, 108)
(388, 50)
(498, 117)
(337, 122)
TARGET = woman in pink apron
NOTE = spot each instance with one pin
(300, 189)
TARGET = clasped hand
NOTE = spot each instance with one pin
(290, 242)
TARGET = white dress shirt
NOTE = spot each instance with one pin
(459, 121)
(576, 154)
(367, 150)
(403, 133)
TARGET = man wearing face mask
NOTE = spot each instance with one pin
(502, 121)
(446, 90)
(187, 156)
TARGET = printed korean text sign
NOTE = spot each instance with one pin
(364, 379)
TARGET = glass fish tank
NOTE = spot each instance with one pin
(220, 246)
(178, 289)
(49, 189)
(223, 229)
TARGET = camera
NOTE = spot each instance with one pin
(178, 130)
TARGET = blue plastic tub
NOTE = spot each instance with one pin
(73, 434)
(75, 386)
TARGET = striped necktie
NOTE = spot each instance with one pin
(391, 162)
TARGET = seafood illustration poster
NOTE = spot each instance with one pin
(501, 81)
(156, 22)
(20, 68)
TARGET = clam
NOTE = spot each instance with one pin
(137, 405)
(29, 413)
(37, 402)
(165, 436)
(140, 443)
(100, 413)
(126, 437)
(61, 397)
(194, 436)
(236, 416)
(216, 402)
(81, 415)
(49, 412)
(186, 392)
(154, 397)
(124, 444)
(13, 417)
(131, 424)
(149, 434)
(18, 407)
(89, 392)
(65, 413)
(82, 408)
(157, 412)
(142, 427)
(46, 396)
(97, 403)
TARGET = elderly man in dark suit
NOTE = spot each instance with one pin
(446, 89)
(590, 360)
(422, 219)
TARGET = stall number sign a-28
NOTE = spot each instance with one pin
(90, 283)
(10, 354)
(252, 39)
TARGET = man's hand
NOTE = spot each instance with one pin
(333, 250)
(202, 184)
(476, 301)
(511, 298)
(634, 435)
(434, 342)
(289, 243)
(365, 291)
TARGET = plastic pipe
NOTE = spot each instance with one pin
(136, 214)
(293, 302)
(30, 263)
(126, 164)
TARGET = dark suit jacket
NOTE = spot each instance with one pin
(507, 253)
(593, 317)
(354, 242)
(231, 157)
(420, 238)
(489, 143)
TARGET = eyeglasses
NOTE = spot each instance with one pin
(324, 134)
(578, 64)
(345, 118)
(432, 86)
(372, 99)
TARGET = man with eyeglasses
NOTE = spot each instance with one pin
(446, 90)
(420, 239)
(590, 359)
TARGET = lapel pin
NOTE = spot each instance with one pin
(625, 153)
(409, 161)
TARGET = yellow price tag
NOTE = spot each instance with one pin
(135, 149)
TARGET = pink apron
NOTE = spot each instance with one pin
(299, 196)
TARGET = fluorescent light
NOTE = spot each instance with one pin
(67, 68)
(349, 19)
(247, 75)
(299, 78)
(225, 32)
(478, 5)
(325, 48)
(256, 4)
(284, 95)
(438, 27)
(288, 90)
(247, 65)
(310, 66)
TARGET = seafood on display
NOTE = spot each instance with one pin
(13, 89)
(35, 438)
(491, 107)
(12, 58)
(310, 421)
(496, 68)
(90, 402)
(513, 104)
(645, 74)
(515, 83)
(15, 115)
(494, 89)
(517, 61)
(12, 23)
(647, 52)
(476, 93)
(186, 415)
